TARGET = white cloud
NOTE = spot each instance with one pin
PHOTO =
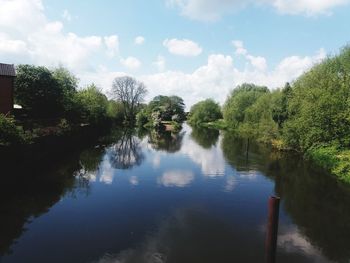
(182, 47)
(139, 40)
(134, 180)
(160, 63)
(131, 63)
(66, 15)
(211, 10)
(238, 44)
(219, 76)
(112, 44)
(27, 36)
(307, 7)
(258, 62)
(176, 178)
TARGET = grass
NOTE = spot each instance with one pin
(336, 160)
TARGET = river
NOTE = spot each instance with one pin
(194, 197)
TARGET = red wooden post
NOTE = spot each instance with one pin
(272, 230)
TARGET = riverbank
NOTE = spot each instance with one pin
(331, 158)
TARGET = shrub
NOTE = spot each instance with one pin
(9, 132)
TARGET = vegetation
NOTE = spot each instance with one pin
(38, 92)
(9, 132)
(162, 111)
(310, 116)
(130, 93)
(204, 112)
(53, 104)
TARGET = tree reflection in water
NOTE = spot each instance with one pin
(165, 140)
(317, 203)
(127, 152)
(31, 190)
(205, 137)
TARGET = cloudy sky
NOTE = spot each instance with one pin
(192, 48)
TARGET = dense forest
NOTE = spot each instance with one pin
(310, 115)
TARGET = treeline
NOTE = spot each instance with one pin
(310, 115)
(53, 104)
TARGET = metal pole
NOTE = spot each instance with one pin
(272, 230)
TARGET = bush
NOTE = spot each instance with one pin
(204, 112)
(336, 160)
(9, 132)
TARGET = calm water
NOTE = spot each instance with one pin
(193, 197)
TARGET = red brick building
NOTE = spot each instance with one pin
(7, 77)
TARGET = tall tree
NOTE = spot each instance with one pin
(131, 93)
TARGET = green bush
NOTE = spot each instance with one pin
(204, 111)
(336, 160)
(9, 132)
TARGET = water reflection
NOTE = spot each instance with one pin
(165, 140)
(211, 160)
(191, 236)
(205, 137)
(127, 152)
(227, 227)
(176, 178)
(30, 191)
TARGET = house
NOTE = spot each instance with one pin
(7, 77)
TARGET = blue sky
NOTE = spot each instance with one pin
(192, 48)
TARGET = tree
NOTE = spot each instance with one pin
(318, 109)
(93, 104)
(131, 93)
(169, 107)
(38, 92)
(241, 98)
(69, 85)
(204, 112)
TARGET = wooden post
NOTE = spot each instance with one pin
(272, 230)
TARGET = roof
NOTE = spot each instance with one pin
(7, 70)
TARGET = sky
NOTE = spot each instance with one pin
(195, 49)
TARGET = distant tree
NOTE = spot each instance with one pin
(241, 98)
(204, 111)
(37, 90)
(169, 107)
(130, 93)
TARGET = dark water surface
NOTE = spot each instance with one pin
(192, 197)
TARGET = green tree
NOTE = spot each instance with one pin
(39, 93)
(318, 110)
(69, 85)
(93, 104)
(204, 112)
(169, 107)
(239, 100)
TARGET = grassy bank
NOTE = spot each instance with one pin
(332, 158)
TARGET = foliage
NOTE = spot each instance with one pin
(115, 110)
(93, 104)
(38, 92)
(333, 158)
(239, 100)
(319, 106)
(204, 112)
(130, 93)
(169, 107)
(69, 85)
(160, 110)
(9, 132)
